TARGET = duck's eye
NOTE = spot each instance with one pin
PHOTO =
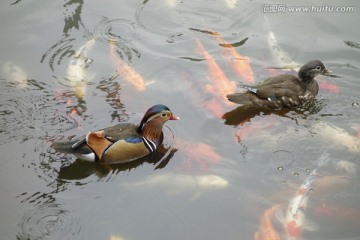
(318, 68)
(163, 115)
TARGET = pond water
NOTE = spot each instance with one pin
(64, 72)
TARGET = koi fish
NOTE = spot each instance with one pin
(76, 69)
(220, 84)
(338, 137)
(214, 107)
(349, 167)
(328, 86)
(15, 74)
(267, 230)
(172, 3)
(124, 70)
(295, 215)
(281, 57)
(175, 184)
(196, 155)
(248, 128)
(231, 4)
(116, 237)
(240, 65)
(200, 155)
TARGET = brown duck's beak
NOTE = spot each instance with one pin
(326, 72)
(173, 117)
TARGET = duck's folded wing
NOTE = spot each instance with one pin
(282, 89)
(121, 131)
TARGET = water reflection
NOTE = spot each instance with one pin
(243, 114)
(73, 10)
(121, 30)
(352, 44)
(23, 110)
(112, 89)
(16, 2)
(49, 221)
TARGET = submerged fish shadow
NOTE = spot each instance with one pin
(82, 169)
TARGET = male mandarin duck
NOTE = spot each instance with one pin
(284, 90)
(123, 142)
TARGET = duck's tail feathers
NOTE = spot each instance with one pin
(240, 98)
(78, 146)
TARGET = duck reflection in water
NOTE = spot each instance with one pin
(82, 169)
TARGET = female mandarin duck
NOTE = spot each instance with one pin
(123, 142)
(284, 90)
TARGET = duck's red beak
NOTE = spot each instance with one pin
(173, 117)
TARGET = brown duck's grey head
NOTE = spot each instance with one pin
(312, 69)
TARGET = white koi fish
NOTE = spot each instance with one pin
(281, 57)
(179, 183)
(76, 69)
(338, 137)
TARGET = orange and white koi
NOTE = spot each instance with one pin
(295, 215)
(267, 230)
(240, 65)
(124, 70)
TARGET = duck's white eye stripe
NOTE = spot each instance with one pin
(150, 145)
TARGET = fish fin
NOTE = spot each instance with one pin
(280, 215)
(149, 82)
(310, 226)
